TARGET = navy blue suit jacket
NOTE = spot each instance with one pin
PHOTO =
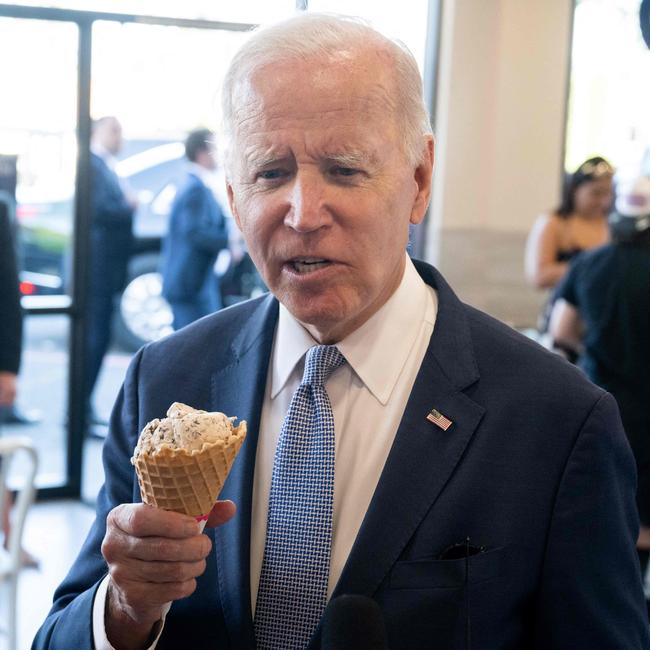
(535, 468)
(197, 232)
(111, 236)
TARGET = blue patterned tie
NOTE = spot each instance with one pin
(295, 571)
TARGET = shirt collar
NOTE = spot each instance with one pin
(292, 341)
(394, 327)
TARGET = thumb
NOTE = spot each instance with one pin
(221, 512)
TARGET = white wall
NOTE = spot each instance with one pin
(500, 130)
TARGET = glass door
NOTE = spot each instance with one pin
(159, 82)
(38, 149)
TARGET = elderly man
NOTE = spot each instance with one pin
(476, 487)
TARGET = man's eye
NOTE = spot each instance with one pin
(344, 171)
(272, 174)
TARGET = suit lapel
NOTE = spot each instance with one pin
(238, 389)
(420, 463)
(423, 456)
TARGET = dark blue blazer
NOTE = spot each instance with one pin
(535, 468)
(197, 232)
(111, 225)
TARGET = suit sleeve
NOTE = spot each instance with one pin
(69, 622)
(10, 310)
(566, 289)
(591, 594)
(202, 221)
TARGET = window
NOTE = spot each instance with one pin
(609, 99)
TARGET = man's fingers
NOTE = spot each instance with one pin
(150, 595)
(141, 520)
(161, 549)
(155, 573)
(118, 546)
(221, 512)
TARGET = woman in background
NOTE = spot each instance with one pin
(579, 223)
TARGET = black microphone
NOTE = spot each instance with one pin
(353, 622)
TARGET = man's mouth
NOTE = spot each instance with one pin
(304, 265)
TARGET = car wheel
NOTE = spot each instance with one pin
(143, 315)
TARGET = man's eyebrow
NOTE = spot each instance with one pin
(265, 158)
(351, 158)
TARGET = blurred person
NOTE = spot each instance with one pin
(111, 243)
(10, 346)
(399, 445)
(197, 233)
(603, 313)
(578, 223)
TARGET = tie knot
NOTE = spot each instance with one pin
(321, 361)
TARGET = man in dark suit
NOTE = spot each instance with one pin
(197, 232)
(111, 241)
(10, 311)
(603, 315)
(11, 325)
(11, 328)
(472, 484)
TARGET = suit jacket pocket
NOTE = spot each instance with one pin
(449, 574)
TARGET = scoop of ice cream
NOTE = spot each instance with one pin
(183, 428)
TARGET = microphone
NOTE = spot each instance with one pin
(353, 622)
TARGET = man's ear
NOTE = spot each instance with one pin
(231, 203)
(422, 177)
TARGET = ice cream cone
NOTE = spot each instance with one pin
(187, 481)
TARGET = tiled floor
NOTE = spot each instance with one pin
(54, 533)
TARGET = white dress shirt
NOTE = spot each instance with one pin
(368, 395)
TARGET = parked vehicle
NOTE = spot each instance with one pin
(153, 173)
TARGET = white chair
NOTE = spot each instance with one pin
(10, 558)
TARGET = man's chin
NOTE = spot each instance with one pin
(323, 318)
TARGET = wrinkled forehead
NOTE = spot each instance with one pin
(325, 90)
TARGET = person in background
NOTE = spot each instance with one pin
(603, 313)
(197, 232)
(401, 445)
(10, 343)
(111, 243)
(578, 223)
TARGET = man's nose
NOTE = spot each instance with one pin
(306, 210)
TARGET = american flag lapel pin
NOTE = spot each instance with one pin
(439, 419)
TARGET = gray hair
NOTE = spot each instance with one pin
(320, 34)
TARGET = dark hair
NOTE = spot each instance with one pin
(197, 140)
(591, 169)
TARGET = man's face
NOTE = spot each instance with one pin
(110, 136)
(207, 158)
(322, 190)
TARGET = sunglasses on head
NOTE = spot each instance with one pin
(595, 169)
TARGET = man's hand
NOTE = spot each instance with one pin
(7, 388)
(154, 557)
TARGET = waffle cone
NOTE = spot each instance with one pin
(184, 481)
